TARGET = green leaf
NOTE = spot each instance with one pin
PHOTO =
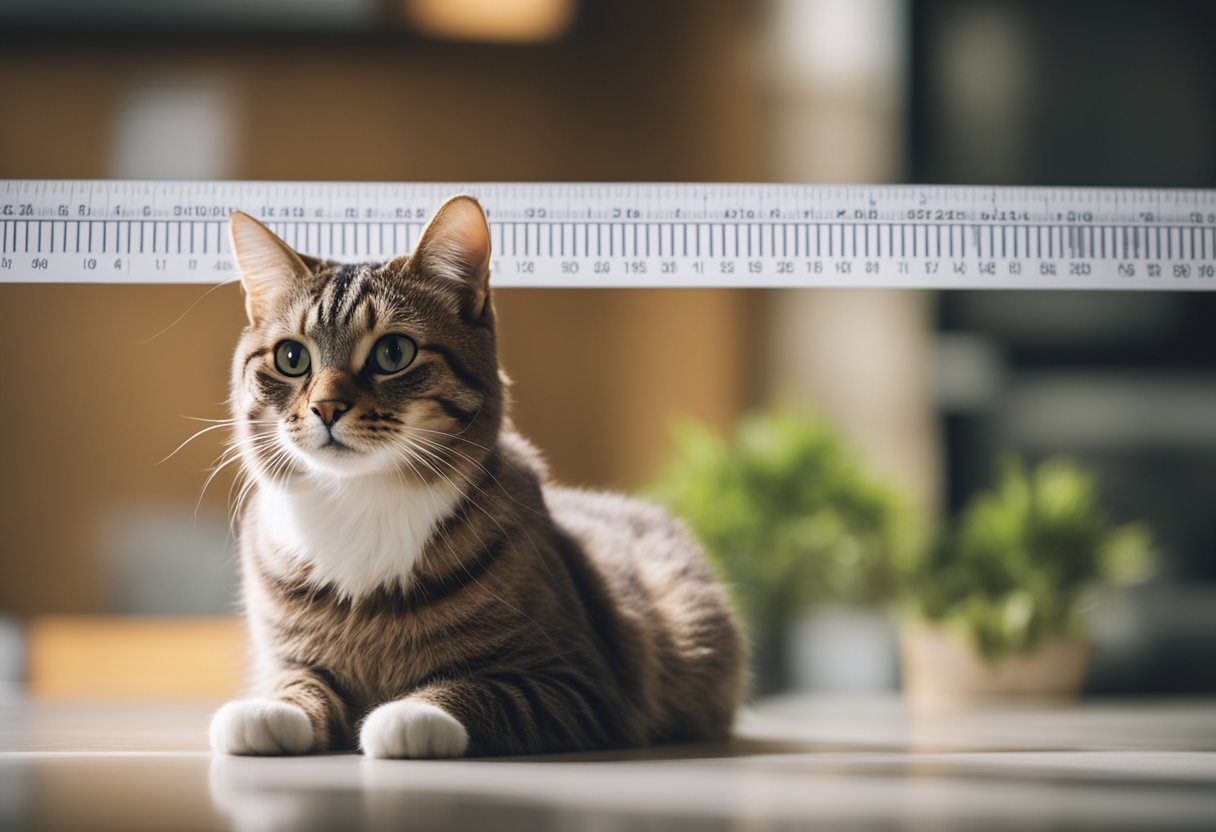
(1013, 568)
(787, 512)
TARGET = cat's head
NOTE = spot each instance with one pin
(351, 370)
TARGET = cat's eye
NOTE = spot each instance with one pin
(291, 358)
(392, 354)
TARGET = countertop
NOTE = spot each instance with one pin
(795, 762)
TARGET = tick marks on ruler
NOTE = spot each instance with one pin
(1057, 235)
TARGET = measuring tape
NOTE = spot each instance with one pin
(595, 234)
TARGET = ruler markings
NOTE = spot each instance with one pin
(635, 234)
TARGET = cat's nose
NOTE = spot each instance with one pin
(330, 410)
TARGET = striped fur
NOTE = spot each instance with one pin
(434, 563)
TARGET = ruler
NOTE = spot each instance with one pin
(634, 235)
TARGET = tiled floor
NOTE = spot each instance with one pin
(796, 764)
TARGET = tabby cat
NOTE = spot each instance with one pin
(414, 584)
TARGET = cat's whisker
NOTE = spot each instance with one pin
(469, 459)
(214, 425)
(439, 446)
(214, 472)
(470, 483)
(451, 435)
(276, 463)
(439, 460)
(190, 439)
(189, 309)
(236, 450)
(477, 463)
(232, 421)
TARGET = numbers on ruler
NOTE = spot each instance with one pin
(201, 211)
(290, 212)
(998, 215)
(935, 214)
(746, 235)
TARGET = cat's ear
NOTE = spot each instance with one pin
(268, 266)
(456, 245)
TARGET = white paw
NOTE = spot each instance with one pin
(260, 726)
(412, 729)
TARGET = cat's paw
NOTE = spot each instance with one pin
(412, 729)
(260, 726)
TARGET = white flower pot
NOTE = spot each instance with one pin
(842, 649)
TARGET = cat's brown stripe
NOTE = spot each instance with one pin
(459, 414)
(463, 373)
(338, 284)
(369, 317)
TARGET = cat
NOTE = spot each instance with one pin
(414, 584)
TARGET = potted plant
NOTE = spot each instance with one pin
(998, 601)
(790, 517)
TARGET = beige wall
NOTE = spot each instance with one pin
(660, 92)
(863, 359)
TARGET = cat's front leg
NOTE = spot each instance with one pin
(507, 714)
(303, 715)
(412, 728)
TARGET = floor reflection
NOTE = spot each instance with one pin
(822, 765)
(384, 799)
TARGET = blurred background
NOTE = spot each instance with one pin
(102, 546)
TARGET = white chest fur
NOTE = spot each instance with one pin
(357, 534)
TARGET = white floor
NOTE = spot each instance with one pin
(796, 763)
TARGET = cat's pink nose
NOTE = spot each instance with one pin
(330, 410)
